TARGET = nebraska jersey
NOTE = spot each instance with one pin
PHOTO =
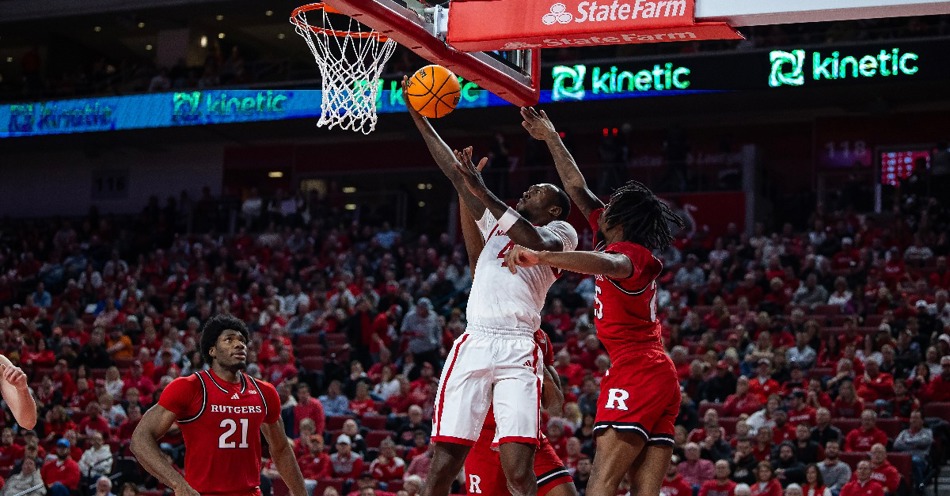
(625, 309)
(221, 423)
(500, 299)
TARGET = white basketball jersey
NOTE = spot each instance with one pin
(500, 299)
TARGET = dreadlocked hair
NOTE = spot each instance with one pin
(646, 219)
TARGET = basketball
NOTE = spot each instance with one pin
(433, 91)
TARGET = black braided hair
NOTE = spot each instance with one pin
(646, 219)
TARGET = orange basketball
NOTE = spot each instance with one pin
(433, 91)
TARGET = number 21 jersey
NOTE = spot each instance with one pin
(221, 424)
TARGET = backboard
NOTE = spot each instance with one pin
(513, 74)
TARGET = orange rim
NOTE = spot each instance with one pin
(340, 33)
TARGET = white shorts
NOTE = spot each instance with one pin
(500, 368)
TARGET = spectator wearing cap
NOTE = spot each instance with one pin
(673, 483)
(883, 471)
(763, 384)
(939, 387)
(799, 412)
(422, 332)
(861, 438)
(346, 464)
(721, 385)
(742, 402)
(917, 441)
(61, 473)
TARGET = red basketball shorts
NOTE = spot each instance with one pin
(484, 475)
(641, 394)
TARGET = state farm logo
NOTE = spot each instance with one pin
(616, 10)
(558, 14)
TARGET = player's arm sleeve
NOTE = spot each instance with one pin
(565, 233)
(179, 397)
(485, 223)
(272, 399)
(645, 267)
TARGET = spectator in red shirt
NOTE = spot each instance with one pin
(387, 466)
(10, 452)
(362, 403)
(346, 464)
(61, 473)
(710, 422)
(939, 387)
(721, 485)
(874, 385)
(862, 484)
(94, 422)
(124, 433)
(558, 318)
(882, 471)
(673, 483)
(767, 484)
(848, 405)
(742, 402)
(573, 372)
(862, 438)
(762, 384)
(137, 379)
(314, 464)
(308, 407)
(799, 412)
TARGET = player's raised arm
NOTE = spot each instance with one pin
(519, 229)
(540, 127)
(283, 456)
(443, 155)
(154, 424)
(16, 392)
(474, 242)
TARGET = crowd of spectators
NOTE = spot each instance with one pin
(229, 65)
(812, 359)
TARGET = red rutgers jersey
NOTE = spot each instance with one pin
(625, 310)
(221, 424)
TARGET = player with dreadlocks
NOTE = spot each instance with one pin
(640, 396)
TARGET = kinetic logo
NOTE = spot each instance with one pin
(788, 68)
(570, 82)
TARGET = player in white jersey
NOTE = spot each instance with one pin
(496, 362)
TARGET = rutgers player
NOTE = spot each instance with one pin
(220, 413)
(483, 465)
(496, 360)
(640, 396)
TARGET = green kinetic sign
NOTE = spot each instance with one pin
(572, 82)
(796, 67)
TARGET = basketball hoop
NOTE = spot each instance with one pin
(350, 66)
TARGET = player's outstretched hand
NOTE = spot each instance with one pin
(538, 125)
(14, 376)
(465, 156)
(519, 256)
(470, 172)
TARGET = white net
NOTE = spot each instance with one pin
(351, 60)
